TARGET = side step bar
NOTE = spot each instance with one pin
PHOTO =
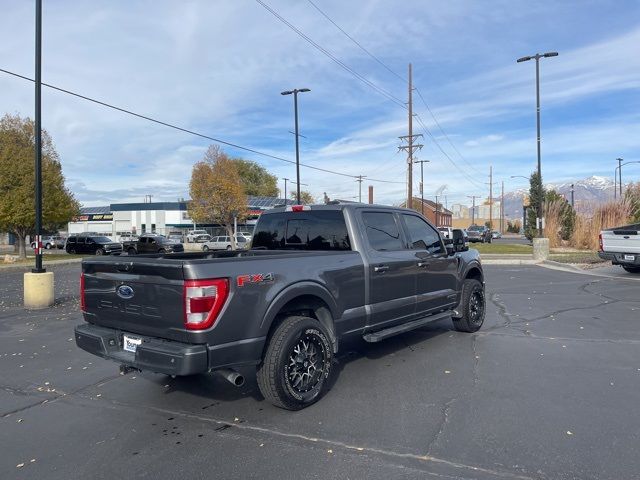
(379, 335)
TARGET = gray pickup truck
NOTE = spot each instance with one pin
(314, 277)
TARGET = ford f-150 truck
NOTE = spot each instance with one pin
(314, 277)
(621, 245)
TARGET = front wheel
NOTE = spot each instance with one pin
(473, 307)
(631, 269)
(297, 364)
(228, 247)
(131, 251)
(48, 246)
(99, 251)
(205, 248)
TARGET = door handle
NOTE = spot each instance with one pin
(423, 264)
(381, 268)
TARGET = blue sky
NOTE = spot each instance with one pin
(218, 67)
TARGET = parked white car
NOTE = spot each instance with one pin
(195, 235)
(621, 245)
(446, 232)
(224, 243)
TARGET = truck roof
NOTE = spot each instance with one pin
(338, 205)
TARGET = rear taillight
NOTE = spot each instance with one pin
(203, 300)
(82, 302)
(600, 245)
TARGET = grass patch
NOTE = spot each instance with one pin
(576, 257)
(46, 259)
(502, 248)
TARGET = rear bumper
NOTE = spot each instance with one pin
(618, 258)
(167, 356)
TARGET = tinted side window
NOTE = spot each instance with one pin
(71, 240)
(308, 230)
(422, 235)
(382, 231)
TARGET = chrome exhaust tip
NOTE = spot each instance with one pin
(232, 377)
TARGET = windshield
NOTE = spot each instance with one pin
(475, 228)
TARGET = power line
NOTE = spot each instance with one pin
(443, 132)
(328, 54)
(357, 43)
(185, 130)
(465, 174)
(399, 77)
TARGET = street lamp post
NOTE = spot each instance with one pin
(618, 171)
(524, 209)
(537, 58)
(38, 140)
(421, 162)
(295, 108)
(285, 189)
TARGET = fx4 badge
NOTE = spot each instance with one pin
(243, 280)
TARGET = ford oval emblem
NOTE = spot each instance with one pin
(125, 291)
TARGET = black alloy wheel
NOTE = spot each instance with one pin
(297, 363)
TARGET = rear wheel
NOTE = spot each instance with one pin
(473, 305)
(228, 247)
(297, 364)
(48, 246)
(72, 251)
(162, 250)
(131, 251)
(631, 269)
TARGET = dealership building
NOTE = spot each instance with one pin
(157, 217)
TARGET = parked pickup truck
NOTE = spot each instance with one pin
(314, 277)
(621, 245)
(152, 243)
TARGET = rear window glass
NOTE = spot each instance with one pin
(382, 231)
(308, 230)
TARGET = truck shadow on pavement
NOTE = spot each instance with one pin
(216, 389)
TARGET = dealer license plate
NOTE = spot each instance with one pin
(630, 258)
(130, 344)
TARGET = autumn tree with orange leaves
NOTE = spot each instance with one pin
(217, 192)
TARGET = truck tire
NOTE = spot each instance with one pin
(296, 365)
(205, 248)
(473, 305)
(131, 251)
(631, 269)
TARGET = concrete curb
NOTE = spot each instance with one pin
(46, 264)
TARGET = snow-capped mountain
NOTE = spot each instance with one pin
(588, 193)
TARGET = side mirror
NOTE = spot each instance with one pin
(459, 244)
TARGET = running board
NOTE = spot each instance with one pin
(379, 335)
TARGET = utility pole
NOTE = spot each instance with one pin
(572, 196)
(421, 162)
(359, 180)
(490, 196)
(410, 147)
(502, 209)
(473, 208)
(295, 92)
(285, 189)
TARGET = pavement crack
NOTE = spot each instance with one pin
(333, 443)
(476, 359)
(446, 409)
(502, 310)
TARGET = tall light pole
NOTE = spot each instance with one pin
(619, 167)
(285, 189)
(421, 162)
(38, 139)
(620, 160)
(295, 108)
(537, 58)
(473, 208)
(524, 209)
(359, 180)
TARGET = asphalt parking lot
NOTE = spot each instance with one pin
(548, 389)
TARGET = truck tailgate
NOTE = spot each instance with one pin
(622, 239)
(140, 295)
